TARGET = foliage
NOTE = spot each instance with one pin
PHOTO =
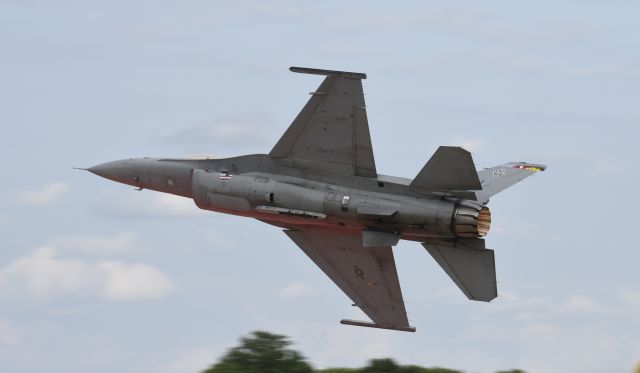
(387, 366)
(262, 352)
(390, 366)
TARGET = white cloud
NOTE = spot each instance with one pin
(190, 361)
(127, 282)
(593, 334)
(608, 167)
(577, 333)
(146, 204)
(294, 290)
(579, 303)
(9, 336)
(332, 345)
(596, 164)
(120, 243)
(226, 133)
(44, 274)
(47, 195)
(347, 343)
(470, 144)
(631, 298)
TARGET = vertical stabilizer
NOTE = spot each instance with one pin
(496, 179)
(450, 168)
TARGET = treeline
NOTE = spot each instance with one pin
(263, 352)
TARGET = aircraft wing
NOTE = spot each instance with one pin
(367, 275)
(331, 133)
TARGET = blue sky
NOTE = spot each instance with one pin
(94, 275)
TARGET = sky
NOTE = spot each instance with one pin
(97, 276)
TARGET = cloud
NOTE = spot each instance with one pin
(612, 167)
(579, 303)
(347, 343)
(631, 298)
(226, 133)
(131, 282)
(9, 336)
(194, 360)
(575, 333)
(46, 196)
(120, 243)
(44, 274)
(471, 144)
(593, 332)
(472, 22)
(331, 345)
(146, 204)
(294, 290)
(596, 164)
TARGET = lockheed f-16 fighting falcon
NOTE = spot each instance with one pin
(320, 184)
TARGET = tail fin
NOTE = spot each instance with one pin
(496, 179)
(450, 168)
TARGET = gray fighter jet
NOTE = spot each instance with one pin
(320, 184)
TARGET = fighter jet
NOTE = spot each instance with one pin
(320, 184)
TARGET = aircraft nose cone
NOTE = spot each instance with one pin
(115, 170)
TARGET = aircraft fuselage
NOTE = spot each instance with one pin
(256, 186)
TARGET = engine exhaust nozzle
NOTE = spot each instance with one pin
(471, 220)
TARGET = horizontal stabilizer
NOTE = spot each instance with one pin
(450, 168)
(378, 326)
(496, 179)
(469, 264)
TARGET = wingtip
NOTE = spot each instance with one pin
(367, 324)
(530, 166)
(345, 74)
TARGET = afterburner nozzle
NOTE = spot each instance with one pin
(471, 220)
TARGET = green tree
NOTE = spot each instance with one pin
(390, 366)
(264, 353)
(417, 369)
(381, 366)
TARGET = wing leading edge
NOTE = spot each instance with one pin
(331, 132)
(366, 275)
